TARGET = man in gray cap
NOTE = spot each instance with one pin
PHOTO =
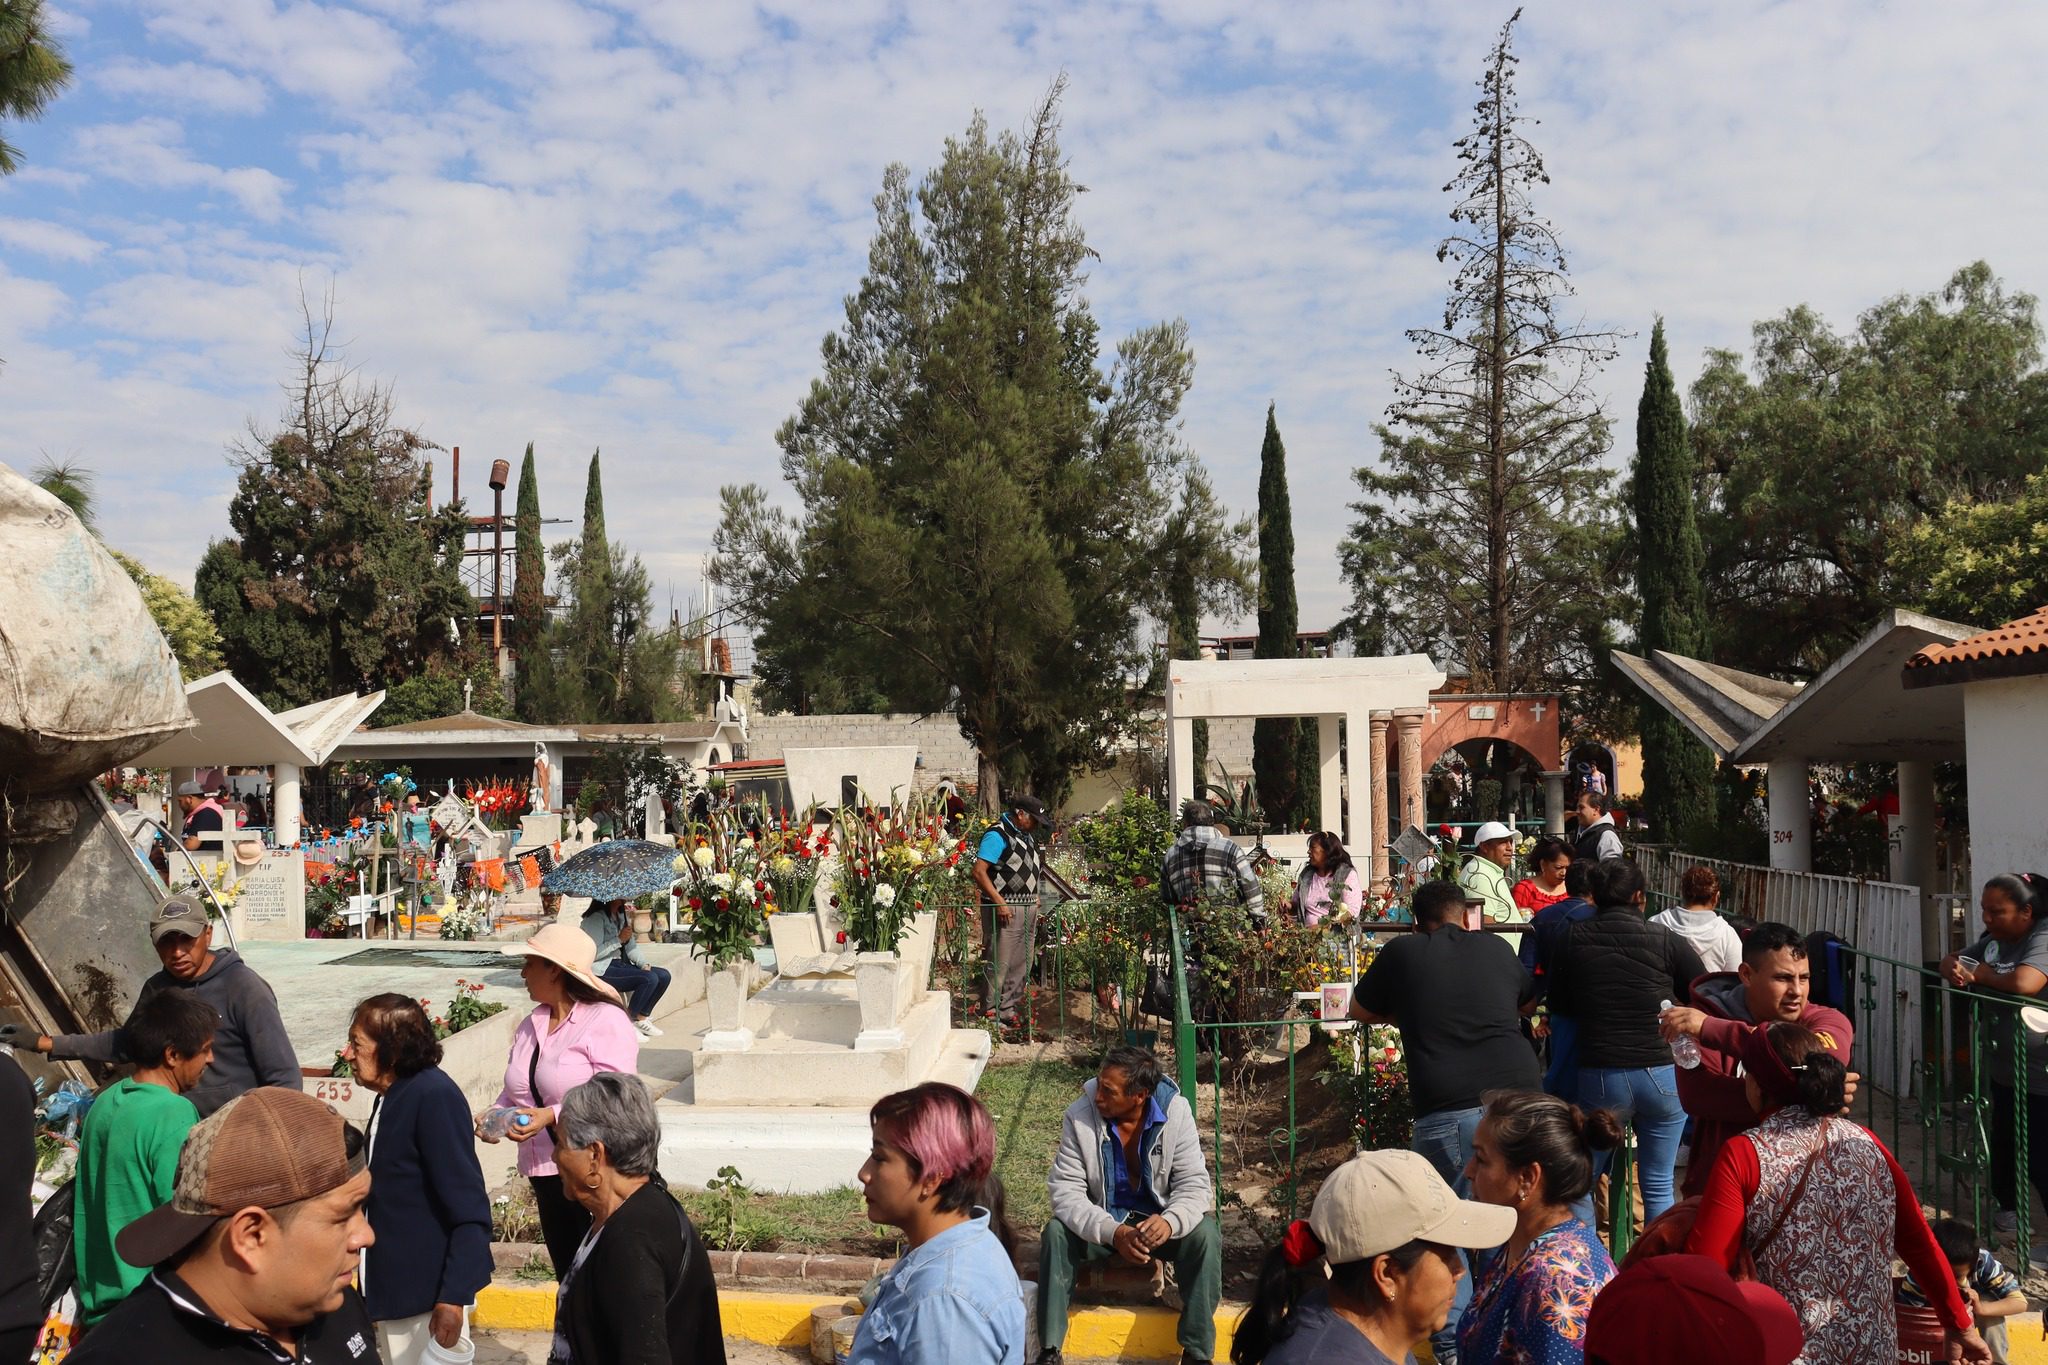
(250, 1048)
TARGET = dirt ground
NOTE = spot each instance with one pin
(531, 1348)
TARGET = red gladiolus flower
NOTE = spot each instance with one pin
(842, 936)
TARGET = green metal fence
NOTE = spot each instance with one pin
(1958, 1119)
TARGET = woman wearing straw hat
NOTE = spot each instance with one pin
(1387, 1228)
(578, 1028)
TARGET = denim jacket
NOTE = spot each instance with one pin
(953, 1301)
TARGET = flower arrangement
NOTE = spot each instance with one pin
(467, 916)
(891, 869)
(722, 875)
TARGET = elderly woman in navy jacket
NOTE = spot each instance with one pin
(428, 1207)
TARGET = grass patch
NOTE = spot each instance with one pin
(1027, 1100)
(749, 1220)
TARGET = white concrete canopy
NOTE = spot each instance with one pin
(1330, 690)
(1860, 710)
(232, 727)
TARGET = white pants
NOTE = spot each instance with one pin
(404, 1341)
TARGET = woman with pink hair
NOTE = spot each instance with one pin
(953, 1297)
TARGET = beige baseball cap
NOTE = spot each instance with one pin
(1378, 1201)
(177, 915)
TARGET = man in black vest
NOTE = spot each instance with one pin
(1597, 836)
(1006, 870)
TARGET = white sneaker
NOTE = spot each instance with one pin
(647, 1028)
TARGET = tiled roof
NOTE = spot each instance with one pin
(2013, 650)
(460, 721)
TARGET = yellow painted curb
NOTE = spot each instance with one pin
(785, 1320)
(2023, 1342)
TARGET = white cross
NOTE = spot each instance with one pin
(1432, 713)
(1536, 709)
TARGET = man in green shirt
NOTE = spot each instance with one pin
(1484, 874)
(128, 1149)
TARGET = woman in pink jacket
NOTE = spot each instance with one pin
(578, 1028)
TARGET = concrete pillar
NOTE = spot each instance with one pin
(174, 814)
(1791, 815)
(1330, 777)
(1553, 802)
(1180, 761)
(284, 805)
(1913, 851)
(1408, 731)
(1378, 831)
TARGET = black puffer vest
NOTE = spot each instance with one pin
(1617, 969)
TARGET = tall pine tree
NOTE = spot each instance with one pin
(1678, 770)
(1277, 741)
(1487, 535)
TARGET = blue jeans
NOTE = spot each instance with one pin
(642, 986)
(1647, 1099)
(1445, 1137)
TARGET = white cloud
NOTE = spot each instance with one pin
(52, 240)
(152, 152)
(191, 84)
(627, 223)
(347, 58)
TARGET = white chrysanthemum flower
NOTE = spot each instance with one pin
(682, 864)
(885, 895)
(704, 857)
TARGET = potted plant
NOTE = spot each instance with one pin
(892, 870)
(724, 907)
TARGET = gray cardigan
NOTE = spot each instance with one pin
(1173, 1164)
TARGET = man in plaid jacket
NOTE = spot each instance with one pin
(1205, 863)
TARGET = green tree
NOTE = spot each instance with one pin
(529, 635)
(339, 576)
(1817, 462)
(595, 648)
(1278, 741)
(193, 637)
(1203, 568)
(1678, 770)
(33, 69)
(439, 692)
(73, 485)
(1981, 563)
(1487, 533)
(980, 500)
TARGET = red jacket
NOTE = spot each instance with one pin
(1712, 1092)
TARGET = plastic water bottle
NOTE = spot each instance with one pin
(502, 1120)
(1685, 1049)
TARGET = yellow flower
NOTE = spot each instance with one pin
(704, 857)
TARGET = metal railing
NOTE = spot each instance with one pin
(1956, 1112)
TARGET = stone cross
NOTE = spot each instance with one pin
(1536, 709)
(1432, 713)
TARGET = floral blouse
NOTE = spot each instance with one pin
(1534, 1312)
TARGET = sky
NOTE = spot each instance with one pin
(627, 224)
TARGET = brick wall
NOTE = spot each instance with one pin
(941, 749)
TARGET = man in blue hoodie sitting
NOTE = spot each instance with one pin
(1129, 1180)
(250, 1048)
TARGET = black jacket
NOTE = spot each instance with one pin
(20, 1303)
(165, 1323)
(428, 1205)
(644, 1295)
(1613, 973)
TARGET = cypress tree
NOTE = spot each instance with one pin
(1277, 745)
(529, 591)
(1678, 770)
(599, 670)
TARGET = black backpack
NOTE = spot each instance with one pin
(56, 1268)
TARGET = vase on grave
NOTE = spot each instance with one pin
(725, 996)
